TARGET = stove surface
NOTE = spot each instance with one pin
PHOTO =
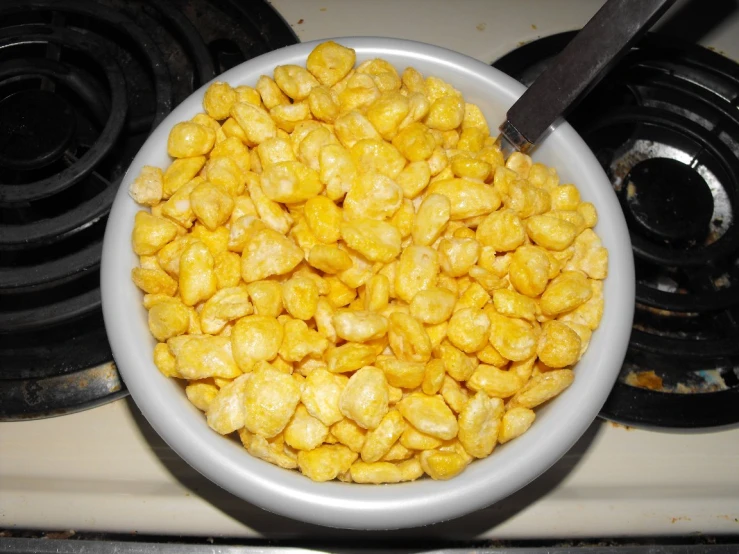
(106, 470)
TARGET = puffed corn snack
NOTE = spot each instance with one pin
(343, 269)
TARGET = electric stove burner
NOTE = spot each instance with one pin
(82, 84)
(664, 126)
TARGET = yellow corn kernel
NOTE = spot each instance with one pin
(218, 99)
(300, 297)
(446, 113)
(433, 378)
(458, 364)
(349, 434)
(383, 73)
(414, 178)
(227, 411)
(272, 451)
(520, 163)
(529, 270)
(525, 200)
(201, 393)
(388, 112)
(375, 240)
(467, 198)
(457, 256)
(495, 382)
(226, 305)
(216, 241)
(433, 215)
(329, 258)
(300, 341)
(474, 296)
(337, 170)
(565, 292)
(153, 281)
(271, 398)
(326, 462)
(379, 440)
(275, 150)
(408, 338)
(417, 270)
(151, 233)
(256, 122)
(360, 92)
(589, 256)
(178, 207)
(211, 204)
(513, 338)
(589, 313)
(377, 156)
(266, 297)
(433, 306)
(248, 94)
(268, 253)
(469, 329)
(305, 432)
(373, 196)
(471, 168)
(270, 93)
(323, 103)
(321, 393)
(168, 319)
(565, 197)
(478, 426)
(377, 293)
(255, 338)
(349, 357)
(330, 62)
(359, 326)
(165, 361)
(205, 356)
(453, 394)
(401, 373)
(286, 116)
(441, 466)
(523, 369)
(513, 304)
(550, 232)
(472, 139)
(339, 294)
(147, 188)
(559, 345)
(365, 397)
(429, 415)
(290, 182)
(197, 279)
(438, 163)
(188, 139)
(415, 142)
(352, 127)
(501, 230)
(515, 423)
(542, 387)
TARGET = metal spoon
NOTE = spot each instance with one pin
(583, 62)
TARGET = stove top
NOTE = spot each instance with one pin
(664, 126)
(82, 84)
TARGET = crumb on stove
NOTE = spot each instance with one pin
(645, 380)
(481, 26)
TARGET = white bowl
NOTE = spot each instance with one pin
(511, 466)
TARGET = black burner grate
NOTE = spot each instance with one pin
(82, 84)
(664, 124)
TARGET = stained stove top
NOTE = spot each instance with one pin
(82, 84)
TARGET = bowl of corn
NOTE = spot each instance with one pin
(328, 290)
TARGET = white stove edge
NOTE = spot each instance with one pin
(105, 470)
